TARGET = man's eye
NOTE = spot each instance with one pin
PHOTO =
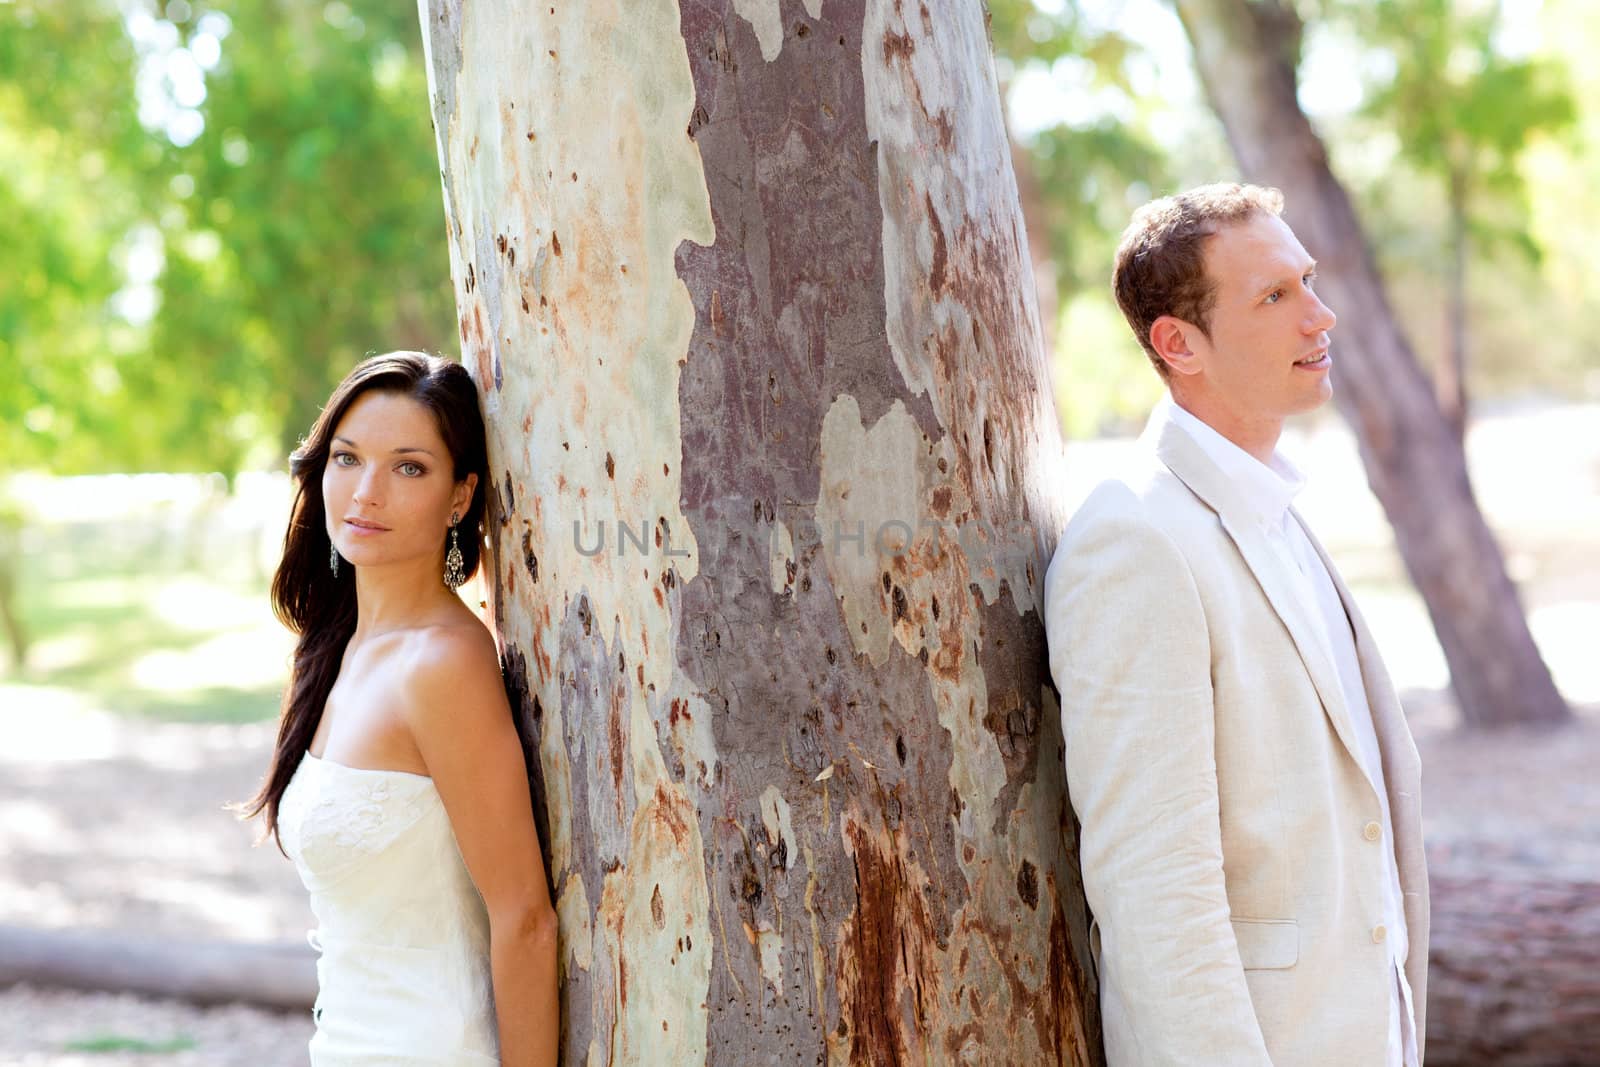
(1310, 280)
(1273, 297)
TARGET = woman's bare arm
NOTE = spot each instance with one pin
(458, 714)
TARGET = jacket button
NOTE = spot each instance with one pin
(1379, 932)
(1373, 831)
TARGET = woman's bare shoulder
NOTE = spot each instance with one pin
(450, 647)
(447, 659)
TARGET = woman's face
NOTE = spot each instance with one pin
(388, 486)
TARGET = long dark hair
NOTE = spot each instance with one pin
(306, 596)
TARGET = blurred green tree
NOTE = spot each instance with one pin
(1078, 180)
(212, 212)
(1464, 112)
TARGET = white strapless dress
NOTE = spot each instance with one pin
(403, 974)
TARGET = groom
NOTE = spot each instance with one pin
(1236, 754)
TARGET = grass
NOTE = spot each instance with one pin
(119, 1043)
(161, 641)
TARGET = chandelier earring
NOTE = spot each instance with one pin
(333, 558)
(454, 565)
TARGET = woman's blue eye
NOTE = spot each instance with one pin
(340, 457)
(415, 471)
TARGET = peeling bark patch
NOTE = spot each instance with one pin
(941, 254)
(883, 978)
(529, 559)
(897, 46)
(1028, 884)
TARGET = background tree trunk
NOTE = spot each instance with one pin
(746, 288)
(1246, 52)
(1452, 372)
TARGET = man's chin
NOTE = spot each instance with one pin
(1315, 399)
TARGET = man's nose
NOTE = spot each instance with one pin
(1322, 316)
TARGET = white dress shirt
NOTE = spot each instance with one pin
(1268, 490)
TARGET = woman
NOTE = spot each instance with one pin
(398, 786)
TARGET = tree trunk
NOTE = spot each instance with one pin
(1452, 374)
(10, 614)
(1245, 52)
(746, 289)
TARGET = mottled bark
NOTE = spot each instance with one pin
(1245, 52)
(746, 287)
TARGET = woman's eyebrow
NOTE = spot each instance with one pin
(397, 451)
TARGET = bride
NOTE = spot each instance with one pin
(398, 786)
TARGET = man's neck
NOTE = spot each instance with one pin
(1258, 437)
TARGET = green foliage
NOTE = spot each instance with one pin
(1091, 173)
(1460, 108)
(114, 618)
(183, 296)
(315, 232)
(211, 210)
(67, 126)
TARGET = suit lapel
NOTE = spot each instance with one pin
(1402, 776)
(1189, 462)
(1388, 718)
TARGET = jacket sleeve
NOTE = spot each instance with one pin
(1130, 655)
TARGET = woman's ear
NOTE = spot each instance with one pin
(462, 498)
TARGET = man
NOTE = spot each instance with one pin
(1236, 754)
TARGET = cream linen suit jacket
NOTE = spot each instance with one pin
(1211, 762)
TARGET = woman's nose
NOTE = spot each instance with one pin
(367, 488)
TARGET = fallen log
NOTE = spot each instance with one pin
(275, 974)
(1514, 964)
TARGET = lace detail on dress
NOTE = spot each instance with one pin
(341, 815)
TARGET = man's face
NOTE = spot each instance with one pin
(1265, 324)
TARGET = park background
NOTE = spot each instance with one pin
(209, 212)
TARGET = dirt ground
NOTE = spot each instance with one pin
(176, 864)
(115, 823)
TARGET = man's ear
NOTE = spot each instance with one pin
(1172, 337)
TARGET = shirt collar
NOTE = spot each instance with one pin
(1265, 489)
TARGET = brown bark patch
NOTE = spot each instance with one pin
(885, 953)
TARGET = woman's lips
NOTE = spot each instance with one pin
(361, 531)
